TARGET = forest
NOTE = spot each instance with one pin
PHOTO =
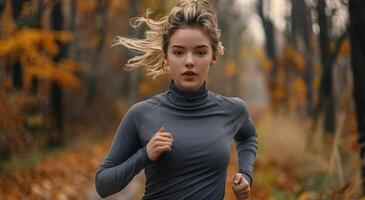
(298, 64)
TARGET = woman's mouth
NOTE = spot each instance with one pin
(189, 75)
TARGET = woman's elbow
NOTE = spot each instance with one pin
(100, 187)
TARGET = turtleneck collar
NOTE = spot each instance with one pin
(187, 98)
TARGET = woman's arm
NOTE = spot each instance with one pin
(246, 143)
(246, 148)
(124, 160)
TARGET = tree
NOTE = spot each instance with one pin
(301, 36)
(132, 79)
(232, 26)
(37, 24)
(269, 30)
(328, 57)
(100, 24)
(56, 92)
(270, 46)
(357, 36)
(17, 7)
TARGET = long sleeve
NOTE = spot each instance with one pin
(125, 158)
(246, 143)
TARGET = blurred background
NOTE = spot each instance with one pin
(299, 65)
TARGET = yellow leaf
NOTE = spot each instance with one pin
(291, 58)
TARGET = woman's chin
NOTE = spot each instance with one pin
(189, 85)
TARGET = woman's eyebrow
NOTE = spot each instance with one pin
(201, 46)
(178, 46)
(196, 47)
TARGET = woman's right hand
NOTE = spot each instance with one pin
(159, 143)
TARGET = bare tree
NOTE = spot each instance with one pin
(100, 28)
(17, 73)
(269, 30)
(56, 92)
(357, 36)
(301, 36)
(326, 100)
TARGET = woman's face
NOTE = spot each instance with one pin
(189, 56)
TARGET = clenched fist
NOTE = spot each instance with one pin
(241, 187)
(159, 143)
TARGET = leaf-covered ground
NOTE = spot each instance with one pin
(290, 165)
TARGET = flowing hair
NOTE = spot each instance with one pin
(153, 48)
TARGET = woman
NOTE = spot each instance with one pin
(181, 138)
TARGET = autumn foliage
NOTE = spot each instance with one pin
(69, 175)
(35, 49)
(72, 73)
(288, 86)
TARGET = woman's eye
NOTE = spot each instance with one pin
(179, 53)
(201, 53)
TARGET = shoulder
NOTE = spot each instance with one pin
(234, 105)
(143, 106)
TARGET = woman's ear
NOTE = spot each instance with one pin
(213, 61)
(165, 63)
(165, 60)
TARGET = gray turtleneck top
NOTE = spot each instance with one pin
(202, 123)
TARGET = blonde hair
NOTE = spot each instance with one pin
(187, 13)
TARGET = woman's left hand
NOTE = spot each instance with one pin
(241, 187)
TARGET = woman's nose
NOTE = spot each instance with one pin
(189, 62)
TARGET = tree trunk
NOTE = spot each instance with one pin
(16, 10)
(301, 35)
(73, 16)
(17, 73)
(326, 101)
(269, 32)
(270, 46)
(2, 6)
(307, 36)
(134, 77)
(37, 24)
(100, 24)
(56, 92)
(357, 36)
